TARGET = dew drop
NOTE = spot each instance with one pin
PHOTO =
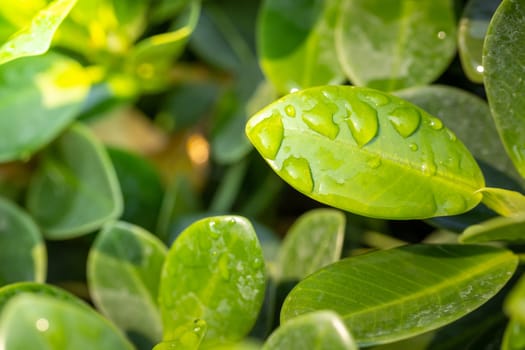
(319, 119)
(374, 97)
(413, 147)
(374, 162)
(451, 135)
(298, 173)
(429, 168)
(256, 263)
(441, 35)
(454, 204)
(362, 122)
(290, 110)
(215, 231)
(267, 135)
(436, 124)
(223, 267)
(405, 120)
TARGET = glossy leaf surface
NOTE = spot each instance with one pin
(395, 294)
(123, 273)
(472, 29)
(42, 322)
(498, 229)
(514, 337)
(503, 55)
(321, 330)
(390, 45)
(36, 38)
(214, 274)
(314, 241)
(504, 202)
(75, 190)
(22, 250)
(296, 43)
(367, 152)
(39, 97)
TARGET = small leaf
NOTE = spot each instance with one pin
(22, 249)
(75, 190)
(314, 241)
(340, 145)
(39, 97)
(395, 44)
(502, 59)
(123, 271)
(36, 38)
(296, 43)
(32, 321)
(508, 229)
(214, 273)
(503, 202)
(395, 294)
(320, 330)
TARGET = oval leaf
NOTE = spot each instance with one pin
(22, 249)
(503, 202)
(395, 44)
(296, 43)
(395, 294)
(320, 330)
(123, 271)
(75, 190)
(340, 145)
(39, 97)
(214, 273)
(502, 60)
(508, 229)
(314, 241)
(42, 322)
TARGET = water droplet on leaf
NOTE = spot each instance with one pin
(374, 162)
(436, 124)
(454, 204)
(429, 168)
(377, 98)
(362, 122)
(405, 120)
(297, 171)
(290, 110)
(413, 147)
(267, 135)
(319, 119)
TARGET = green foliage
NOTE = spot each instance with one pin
(128, 176)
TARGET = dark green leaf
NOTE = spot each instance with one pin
(395, 294)
(342, 145)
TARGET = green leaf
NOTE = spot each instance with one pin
(295, 42)
(123, 271)
(390, 45)
(22, 249)
(75, 190)
(469, 117)
(502, 58)
(214, 273)
(39, 97)
(320, 330)
(314, 241)
(340, 145)
(473, 27)
(396, 294)
(504, 202)
(514, 305)
(508, 229)
(36, 38)
(514, 337)
(42, 322)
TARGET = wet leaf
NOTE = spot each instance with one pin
(320, 330)
(39, 97)
(341, 145)
(22, 250)
(123, 272)
(390, 45)
(296, 43)
(75, 190)
(508, 229)
(396, 294)
(314, 240)
(214, 276)
(502, 57)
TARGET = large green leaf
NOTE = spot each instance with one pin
(75, 190)
(503, 55)
(296, 43)
(498, 229)
(39, 97)
(22, 249)
(395, 44)
(367, 152)
(42, 322)
(123, 272)
(471, 35)
(214, 274)
(395, 294)
(314, 241)
(36, 38)
(321, 330)
(469, 117)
